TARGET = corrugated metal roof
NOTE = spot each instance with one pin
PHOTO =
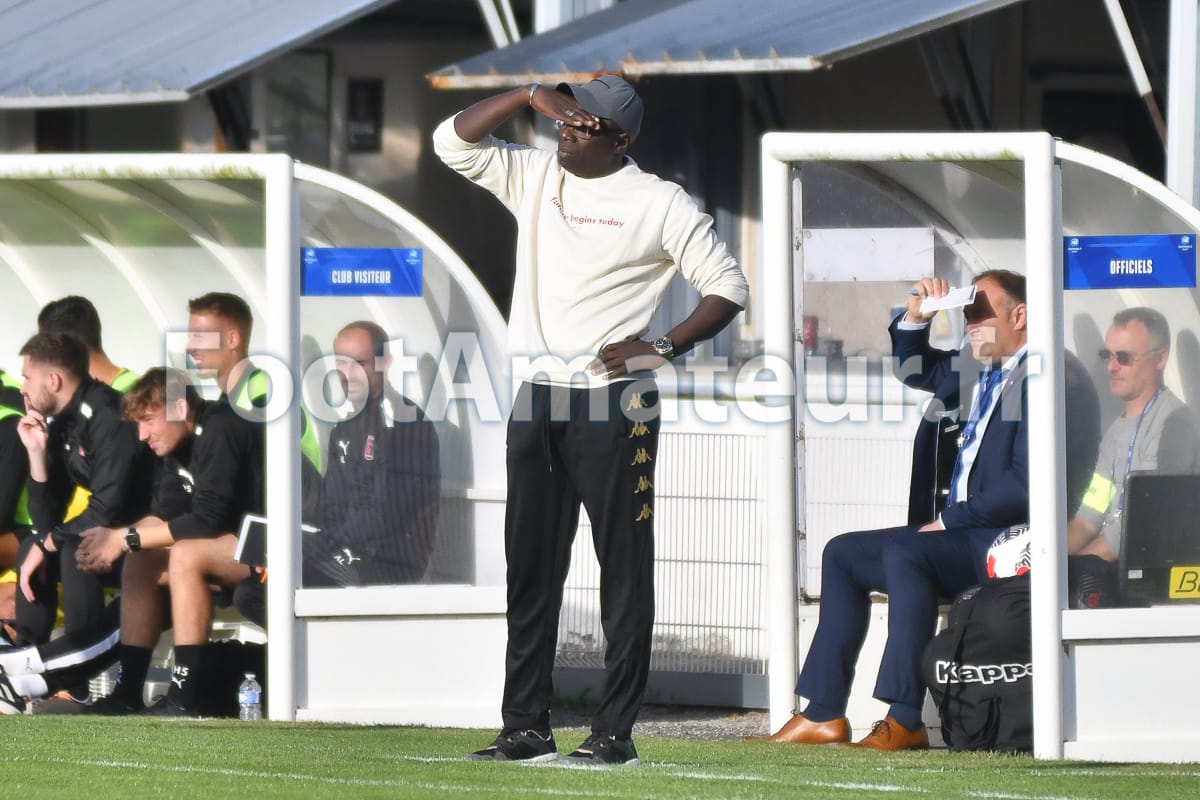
(646, 37)
(103, 52)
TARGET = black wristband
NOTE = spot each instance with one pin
(40, 542)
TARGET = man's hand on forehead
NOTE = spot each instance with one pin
(980, 309)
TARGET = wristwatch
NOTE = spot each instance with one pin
(133, 541)
(664, 347)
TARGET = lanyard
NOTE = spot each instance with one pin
(1129, 453)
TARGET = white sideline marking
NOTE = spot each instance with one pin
(708, 776)
(668, 768)
(1101, 773)
(870, 787)
(550, 792)
(437, 787)
(297, 776)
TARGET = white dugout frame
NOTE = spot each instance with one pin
(1068, 645)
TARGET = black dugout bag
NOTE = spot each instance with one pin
(979, 669)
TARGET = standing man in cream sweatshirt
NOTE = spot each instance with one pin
(598, 242)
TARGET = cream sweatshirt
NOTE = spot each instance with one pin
(594, 255)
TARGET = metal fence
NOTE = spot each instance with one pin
(709, 572)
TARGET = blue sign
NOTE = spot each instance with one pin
(360, 271)
(1150, 261)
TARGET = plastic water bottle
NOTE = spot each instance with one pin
(250, 698)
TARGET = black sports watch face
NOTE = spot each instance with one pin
(133, 540)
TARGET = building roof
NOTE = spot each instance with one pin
(105, 52)
(649, 37)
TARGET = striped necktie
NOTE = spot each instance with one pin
(987, 386)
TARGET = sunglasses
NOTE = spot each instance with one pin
(581, 133)
(973, 314)
(1125, 357)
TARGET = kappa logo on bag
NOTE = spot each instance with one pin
(948, 672)
(979, 670)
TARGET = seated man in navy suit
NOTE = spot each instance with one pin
(919, 563)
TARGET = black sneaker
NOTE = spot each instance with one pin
(114, 706)
(600, 750)
(81, 695)
(169, 710)
(529, 746)
(10, 702)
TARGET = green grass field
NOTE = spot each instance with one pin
(96, 759)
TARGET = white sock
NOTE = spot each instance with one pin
(22, 660)
(31, 686)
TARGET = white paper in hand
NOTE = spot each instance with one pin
(955, 298)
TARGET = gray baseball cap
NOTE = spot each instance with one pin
(611, 97)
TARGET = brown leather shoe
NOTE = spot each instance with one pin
(799, 730)
(887, 734)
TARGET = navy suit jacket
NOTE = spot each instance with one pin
(998, 486)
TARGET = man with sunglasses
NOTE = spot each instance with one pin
(598, 242)
(1156, 431)
(918, 564)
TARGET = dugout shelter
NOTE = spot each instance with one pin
(850, 221)
(309, 251)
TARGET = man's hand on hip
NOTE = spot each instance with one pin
(623, 358)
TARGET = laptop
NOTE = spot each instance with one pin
(1160, 558)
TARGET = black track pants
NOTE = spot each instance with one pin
(566, 447)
